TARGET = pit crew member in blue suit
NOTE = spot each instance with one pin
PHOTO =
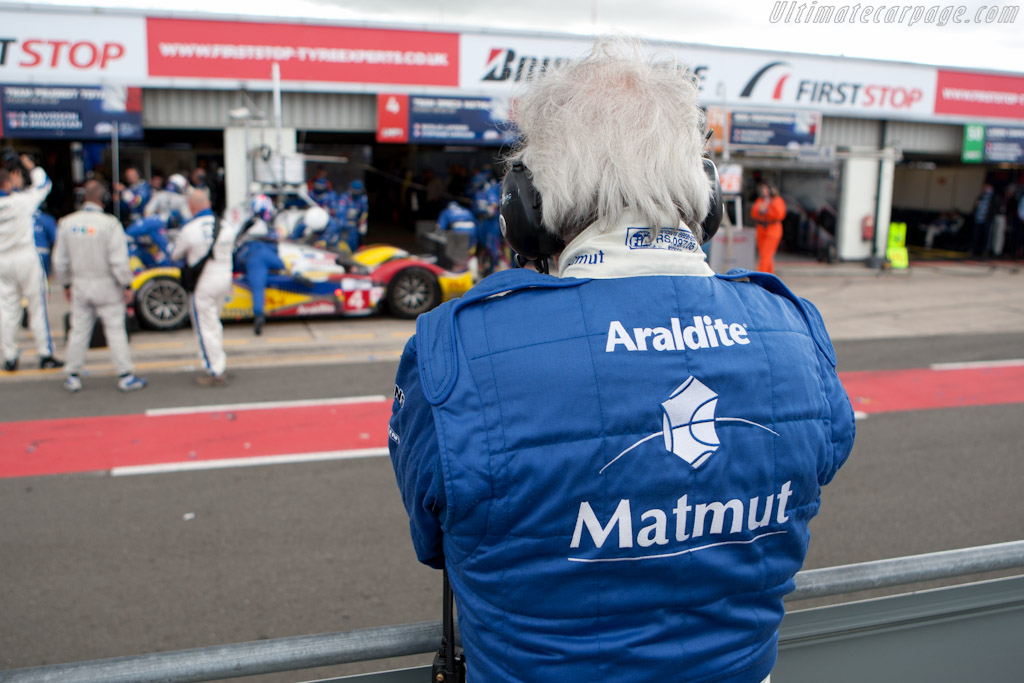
(617, 462)
(320, 189)
(45, 227)
(150, 230)
(135, 196)
(486, 196)
(258, 255)
(353, 212)
(316, 226)
(457, 218)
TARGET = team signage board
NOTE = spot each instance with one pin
(1004, 144)
(443, 120)
(202, 49)
(993, 144)
(785, 129)
(72, 112)
(50, 48)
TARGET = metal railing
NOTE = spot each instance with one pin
(329, 649)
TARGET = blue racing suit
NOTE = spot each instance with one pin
(618, 465)
(460, 219)
(321, 192)
(488, 231)
(333, 234)
(134, 200)
(259, 257)
(45, 227)
(352, 211)
(150, 230)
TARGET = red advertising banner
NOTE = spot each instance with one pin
(974, 94)
(392, 118)
(193, 48)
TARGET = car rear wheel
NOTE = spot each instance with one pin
(162, 303)
(413, 291)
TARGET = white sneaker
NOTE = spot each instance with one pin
(131, 383)
(72, 383)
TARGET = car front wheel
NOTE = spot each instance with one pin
(413, 291)
(162, 303)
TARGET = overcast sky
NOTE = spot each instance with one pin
(735, 23)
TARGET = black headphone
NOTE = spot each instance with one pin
(523, 226)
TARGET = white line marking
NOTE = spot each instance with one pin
(677, 554)
(194, 465)
(859, 415)
(979, 364)
(265, 405)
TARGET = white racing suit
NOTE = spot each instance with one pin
(213, 287)
(91, 257)
(21, 272)
(170, 206)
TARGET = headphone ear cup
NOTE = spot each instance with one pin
(713, 220)
(520, 217)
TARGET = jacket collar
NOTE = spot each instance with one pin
(606, 250)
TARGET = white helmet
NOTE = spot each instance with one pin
(316, 218)
(176, 183)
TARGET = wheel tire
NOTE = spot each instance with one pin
(162, 304)
(413, 291)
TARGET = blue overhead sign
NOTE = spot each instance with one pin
(785, 129)
(70, 112)
(459, 120)
(1004, 144)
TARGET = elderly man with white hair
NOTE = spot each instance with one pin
(207, 243)
(616, 462)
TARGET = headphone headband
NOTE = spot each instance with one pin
(522, 222)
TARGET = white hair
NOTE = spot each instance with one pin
(612, 131)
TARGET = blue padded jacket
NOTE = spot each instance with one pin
(619, 473)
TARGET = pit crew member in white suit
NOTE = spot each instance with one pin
(21, 272)
(214, 283)
(91, 261)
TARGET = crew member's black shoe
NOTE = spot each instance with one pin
(257, 325)
(50, 363)
(11, 365)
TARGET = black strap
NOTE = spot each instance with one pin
(216, 231)
(449, 662)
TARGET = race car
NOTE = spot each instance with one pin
(316, 283)
(413, 284)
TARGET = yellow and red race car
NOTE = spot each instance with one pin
(315, 283)
(413, 284)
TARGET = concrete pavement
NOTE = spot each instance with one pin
(929, 299)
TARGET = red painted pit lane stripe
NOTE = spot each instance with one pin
(270, 434)
(886, 391)
(89, 444)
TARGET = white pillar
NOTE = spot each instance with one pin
(235, 157)
(864, 196)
